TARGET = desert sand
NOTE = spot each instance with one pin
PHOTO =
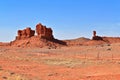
(96, 62)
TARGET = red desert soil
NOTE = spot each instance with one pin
(94, 62)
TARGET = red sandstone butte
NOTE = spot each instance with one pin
(43, 38)
(44, 32)
(26, 33)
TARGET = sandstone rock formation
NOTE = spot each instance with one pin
(44, 38)
(44, 32)
(26, 33)
(94, 33)
(96, 37)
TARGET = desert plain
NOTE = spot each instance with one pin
(94, 62)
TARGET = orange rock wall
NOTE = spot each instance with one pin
(44, 32)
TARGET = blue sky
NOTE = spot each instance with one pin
(68, 18)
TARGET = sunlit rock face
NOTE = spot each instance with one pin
(44, 32)
(25, 33)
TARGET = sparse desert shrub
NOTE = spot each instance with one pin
(109, 49)
(4, 77)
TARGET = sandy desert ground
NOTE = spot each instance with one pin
(95, 62)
